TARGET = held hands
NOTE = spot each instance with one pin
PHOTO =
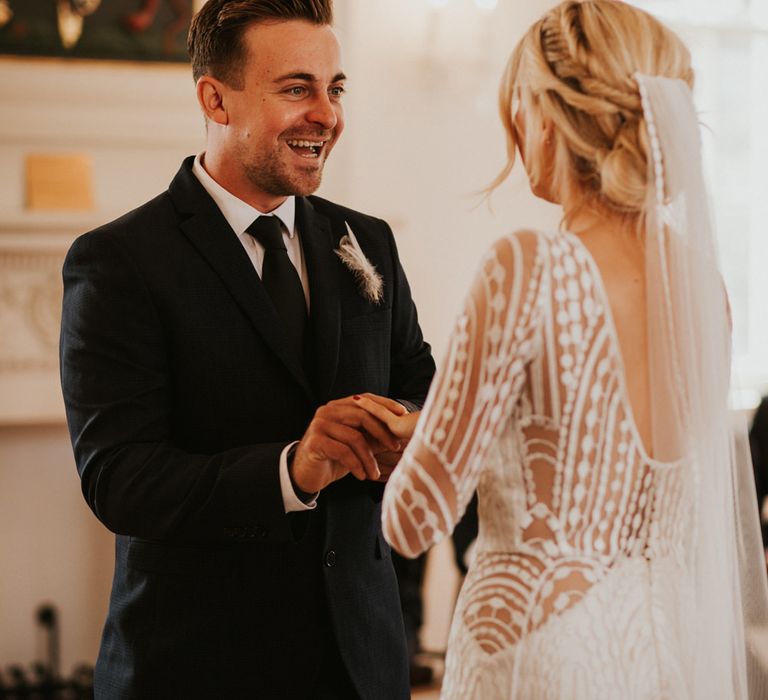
(342, 438)
(399, 422)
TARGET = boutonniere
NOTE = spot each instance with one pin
(369, 280)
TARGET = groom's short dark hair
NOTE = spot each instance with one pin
(215, 40)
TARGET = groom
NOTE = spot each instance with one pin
(210, 358)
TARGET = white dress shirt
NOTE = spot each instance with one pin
(240, 215)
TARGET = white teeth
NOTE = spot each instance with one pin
(306, 144)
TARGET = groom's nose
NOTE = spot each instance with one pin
(324, 112)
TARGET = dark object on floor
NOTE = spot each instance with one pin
(18, 683)
(43, 681)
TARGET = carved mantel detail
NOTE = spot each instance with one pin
(30, 308)
(32, 251)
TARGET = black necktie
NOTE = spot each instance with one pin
(280, 279)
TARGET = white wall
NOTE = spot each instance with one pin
(422, 136)
(52, 549)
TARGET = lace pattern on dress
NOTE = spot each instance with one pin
(530, 407)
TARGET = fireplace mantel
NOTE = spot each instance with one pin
(32, 250)
(134, 123)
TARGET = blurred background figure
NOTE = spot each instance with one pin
(758, 443)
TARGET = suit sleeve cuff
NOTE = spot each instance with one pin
(291, 501)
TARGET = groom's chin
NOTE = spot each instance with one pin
(307, 183)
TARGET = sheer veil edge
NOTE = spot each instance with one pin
(722, 609)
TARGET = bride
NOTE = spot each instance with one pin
(584, 397)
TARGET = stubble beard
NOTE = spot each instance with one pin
(270, 174)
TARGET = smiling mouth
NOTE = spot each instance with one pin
(306, 148)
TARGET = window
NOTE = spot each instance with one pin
(729, 45)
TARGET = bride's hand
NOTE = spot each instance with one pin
(400, 423)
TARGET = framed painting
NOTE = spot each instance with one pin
(132, 30)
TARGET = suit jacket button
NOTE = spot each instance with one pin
(330, 558)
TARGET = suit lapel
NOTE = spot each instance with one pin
(206, 228)
(319, 239)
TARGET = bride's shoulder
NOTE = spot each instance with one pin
(523, 247)
(536, 244)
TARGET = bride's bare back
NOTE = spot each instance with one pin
(620, 259)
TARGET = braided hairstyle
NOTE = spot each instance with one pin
(574, 68)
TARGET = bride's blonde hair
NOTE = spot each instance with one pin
(574, 67)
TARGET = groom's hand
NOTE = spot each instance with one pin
(339, 441)
(388, 460)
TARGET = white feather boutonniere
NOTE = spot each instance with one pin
(369, 280)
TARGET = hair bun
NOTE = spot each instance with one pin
(574, 69)
(624, 169)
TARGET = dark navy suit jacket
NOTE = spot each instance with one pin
(181, 392)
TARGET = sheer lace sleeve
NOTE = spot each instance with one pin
(471, 397)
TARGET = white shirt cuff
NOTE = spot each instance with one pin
(291, 501)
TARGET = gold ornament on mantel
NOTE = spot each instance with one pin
(70, 15)
(5, 13)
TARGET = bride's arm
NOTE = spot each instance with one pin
(472, 395)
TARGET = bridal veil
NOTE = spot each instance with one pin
(689, 357)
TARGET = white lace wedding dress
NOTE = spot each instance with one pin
(580, 565)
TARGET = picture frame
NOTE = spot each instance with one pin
(126, 30)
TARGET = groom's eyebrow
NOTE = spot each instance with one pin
(308, 77)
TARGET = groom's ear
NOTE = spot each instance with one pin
(211, 96)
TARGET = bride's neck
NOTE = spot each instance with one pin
(589, 223)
